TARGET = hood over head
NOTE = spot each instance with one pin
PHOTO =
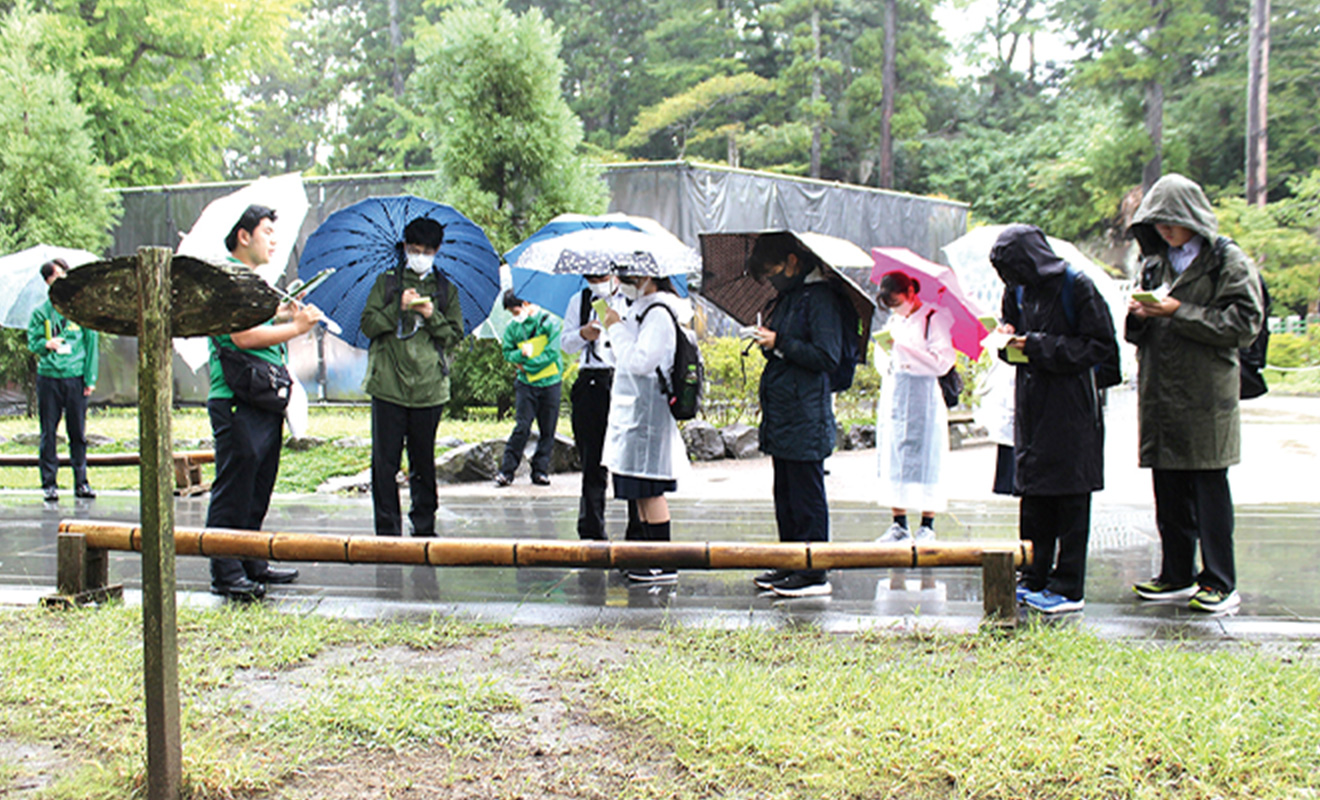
(1173, 200)
(1022, 256)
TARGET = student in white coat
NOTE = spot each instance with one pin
(912, 423)
(643, 448)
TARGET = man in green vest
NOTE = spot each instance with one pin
(531, 343)
(66, 376)
(248, 438)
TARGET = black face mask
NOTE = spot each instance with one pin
(782, 282)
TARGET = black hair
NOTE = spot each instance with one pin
(49, 268)
(425, 232)
(511, 300)
(662, 282)
(251, 218)
(775, 248)
(895, 283)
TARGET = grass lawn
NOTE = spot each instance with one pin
(300, 471)
(285, 706)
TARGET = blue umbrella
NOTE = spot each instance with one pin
(548, 267)
(366, 239)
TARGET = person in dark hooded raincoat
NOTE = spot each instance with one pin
(1059, 422)
(1188, 385)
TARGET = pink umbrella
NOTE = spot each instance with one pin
(939, 286)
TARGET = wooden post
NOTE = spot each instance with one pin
(999, 586)
(159, 625)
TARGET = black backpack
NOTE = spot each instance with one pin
(685, 381)
(850, 353)
(1251, 359)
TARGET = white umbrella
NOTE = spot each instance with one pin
(285, 194)
(969, 256)
(206, 238)
(22, 288)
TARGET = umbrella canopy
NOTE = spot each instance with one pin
(725, 282)
(939, 287)
(285, 194)
(366, 239)
(22, 288)
(547, 269)
(969, 255)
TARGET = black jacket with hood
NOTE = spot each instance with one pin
(1060, 433)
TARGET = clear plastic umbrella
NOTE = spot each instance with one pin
(22, 288)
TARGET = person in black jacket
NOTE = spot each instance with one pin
(1060, 432)
(802, 345)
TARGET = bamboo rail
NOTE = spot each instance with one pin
(998, 559)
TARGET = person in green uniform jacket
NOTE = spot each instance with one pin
(248, 438)
(66, 376)
(531, 343)
(413, 318)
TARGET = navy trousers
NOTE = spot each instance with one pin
(540, 403)
(62, 397)
(1059, 529)
(1191, 507)
(247, 461)
(392, 428)
(801, 511)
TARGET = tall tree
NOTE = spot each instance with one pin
(806, 73)
(506, 142)
(52, 190)
(1143, 45)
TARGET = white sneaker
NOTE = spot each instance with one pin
(896, 533)
(925, 534)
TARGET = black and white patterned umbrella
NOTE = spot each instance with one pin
(604, 250)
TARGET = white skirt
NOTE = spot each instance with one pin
(911, 438)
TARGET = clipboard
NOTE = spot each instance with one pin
(550, 370)
(538, 344)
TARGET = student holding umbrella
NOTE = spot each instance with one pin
(643, 448)
(413, 318)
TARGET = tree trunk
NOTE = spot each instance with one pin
(1258, 79)
(396, 45)
(1155, 129)
(816, 124)
(889, 87)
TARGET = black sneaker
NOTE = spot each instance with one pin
(240, 589)
(503, 480)
(51, 494)
(800, 585)
(540, 479)
(767, 579)
(85, 492)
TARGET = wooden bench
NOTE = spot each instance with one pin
(82, 573)
(187, 466)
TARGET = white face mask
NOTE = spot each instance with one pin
(630, 291)
(904, 309)
(420, 263)
(519, 315)
(602, 289)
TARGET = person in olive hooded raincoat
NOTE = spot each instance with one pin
(1188, 385)
(1059, 424)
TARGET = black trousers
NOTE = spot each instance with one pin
(392, 428)
(591, 412)
(1195, 506)
(801, 511)
(247, 461)
(540, 403)
(64, 397)
(1059, 529)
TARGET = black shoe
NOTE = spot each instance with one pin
(85, 492)
(276, 575)
(768, 579)
(502, 480)
(240, 589)
(52, 494)
(540, 479)
(800, 585)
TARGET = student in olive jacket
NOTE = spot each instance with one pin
(1188, 385)
(412, 329)
(802, 343)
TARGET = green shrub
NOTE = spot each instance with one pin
(732, 381)
(479, 377)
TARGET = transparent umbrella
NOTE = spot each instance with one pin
(22, 288)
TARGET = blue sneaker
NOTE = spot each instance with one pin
(1022, 593)
(1048, 602)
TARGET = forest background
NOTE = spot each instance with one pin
(515, 104)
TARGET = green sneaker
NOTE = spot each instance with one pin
(1213, 600)
(1156, 589)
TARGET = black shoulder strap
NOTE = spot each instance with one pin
(929, 314)
(584, 308)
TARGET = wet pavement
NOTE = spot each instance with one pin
(1278, 549)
